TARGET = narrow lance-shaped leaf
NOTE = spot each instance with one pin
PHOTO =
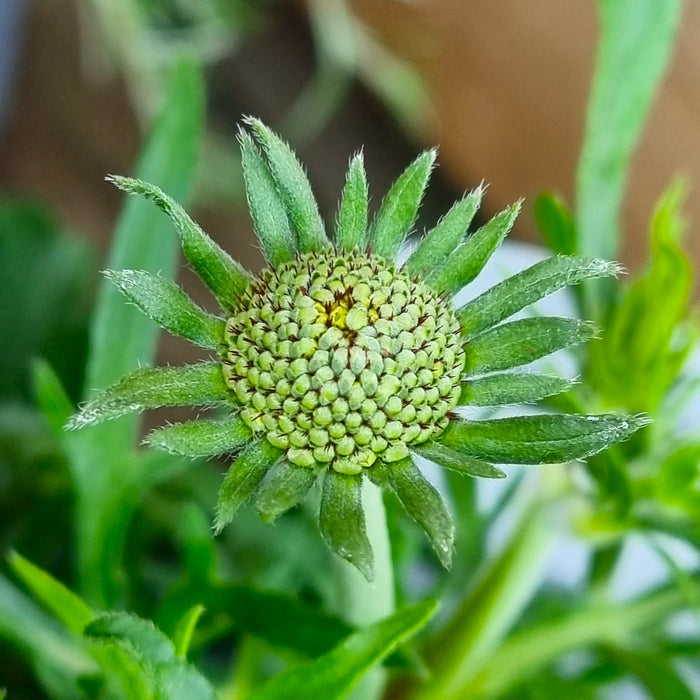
(153, 387)
(294, 188)
(556, 224)
(269, 214)
(50, 395)
(166, 303)
(284, 488)
(242, 478)
(351, 221)
(467, 261)
(225, 277)
(202, 438)
(524, 341)
(515, 293)
(509, 388)
(333, 675)
(539, 439)
(342, 521)
(182, 637)
(440, 241)
(458, 462)
(399, 209)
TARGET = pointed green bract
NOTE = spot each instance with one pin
(202, 438)
(509, 388)
(523, 341)
(269, 214)
(530, 285)
(182, 636)
(540, 439)
(351, 221)
(294, 188)
(424, 504)
(153, 387)
(342, 521)
(441, 240)
(169, 306)
(225, 277)
(399, 209)
(458, 462)
(284, 488)
(242, 478)
(467, 261)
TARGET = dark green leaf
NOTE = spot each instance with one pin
(351, 222)
(400, 206)
(556, 224)
(540, 439)
(441, 240)
(202, 438)
(516, 292)
(269, 214)
(334, 674)
(284, 488)
(242, 478)
(166, 304)
(456, 461)
(678, 473)
(342, 521)
(511, 388)
(523, 341)
(50, 395)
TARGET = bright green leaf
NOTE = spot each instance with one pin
(202, 438)
(458, 462)
(182, 637)
(50, 395)
(556, 224)
(351, 221)
(284, 488)
(511, 388)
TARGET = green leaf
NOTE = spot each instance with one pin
(466, 262)
(678, 473)
(342, 521)
(458, 462)
(284, 488)
(242, 478)
(423, 503)
(154, 653)
(556, 224)
(294, 188)
(65, 605)
(153, 387)
(441, 240)
(526, 287)
(202, 438)
(540, 439)
(635, 45)
(510, 388)
(182, 637)
(50, 395)
(523, 341)
(269, 214)
(168, 305)
(399, 209)
(225, 277)
(351, 221)
(333, 675)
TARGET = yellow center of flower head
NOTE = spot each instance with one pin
(342, 359)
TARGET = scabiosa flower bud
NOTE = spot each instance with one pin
(335, 362)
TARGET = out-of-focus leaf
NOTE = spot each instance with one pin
(331, 676)
(182, 637)
(50, 395)
(556, 224)
(678, 473)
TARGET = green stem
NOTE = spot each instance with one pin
(359, 602)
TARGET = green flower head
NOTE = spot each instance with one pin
(336, 362)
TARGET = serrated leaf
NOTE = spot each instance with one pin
(63, 604)
(441, 240)
(523, 341)
(547, 439)
(351, 221)
(423, 503)
(153, 387)
(456, 461)
(242, 478)
(333, 675)
(294, 188)
(154, 653)
(182, 636)
(342, 521)
(284, 488)
(556, 224)
(267, 209)
(511, 388)
(50, 395)
(225, 277)
(399, 208)
(467, 261)
(526, 287)
(202, 438)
